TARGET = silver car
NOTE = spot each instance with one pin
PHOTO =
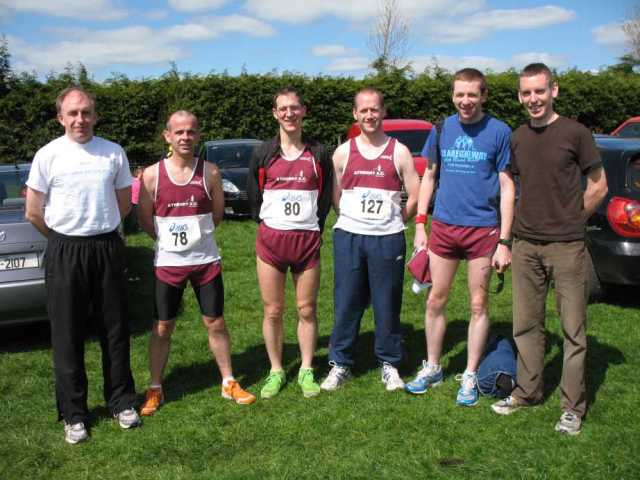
(22, 250)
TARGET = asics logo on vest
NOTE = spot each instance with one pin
(292, 197)
(178, 227)
(187, 203)
(378, 172)
(371, 195)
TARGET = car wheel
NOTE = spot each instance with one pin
(595, 289)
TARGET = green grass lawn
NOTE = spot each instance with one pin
(360, 431)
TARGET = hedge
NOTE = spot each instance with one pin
(133, 112)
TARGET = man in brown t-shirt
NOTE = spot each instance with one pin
(550, 155)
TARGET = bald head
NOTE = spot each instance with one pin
(182, 133)
(178, 117)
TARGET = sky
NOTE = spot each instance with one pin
(141, 38)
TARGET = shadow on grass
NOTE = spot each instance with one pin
(599, 355)
(25, 338)
(456, 333)
(251, 366)
(37, 336)
(140, 279)
(622, 296)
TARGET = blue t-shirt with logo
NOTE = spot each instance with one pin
(471, 157)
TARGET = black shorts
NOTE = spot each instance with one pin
(210, 298)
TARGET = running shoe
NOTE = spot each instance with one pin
(233, 391)
(468, 392)
(569, 423)
(307, 383)
(128, 418)
(273, 384)
(336, 378)
(428, 376)
(390, 377)
(153, 398)
(75, 433)
(506, 406)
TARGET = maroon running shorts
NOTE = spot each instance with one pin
(457, 242)
(297, 249)
(197, 274)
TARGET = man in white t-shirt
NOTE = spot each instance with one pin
(79, 190)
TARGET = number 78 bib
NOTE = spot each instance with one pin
(179, 234)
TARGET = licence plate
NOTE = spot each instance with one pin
(19, 261)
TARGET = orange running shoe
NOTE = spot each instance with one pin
(233, 391)
(153, 398)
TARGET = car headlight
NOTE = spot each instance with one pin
(229, 187)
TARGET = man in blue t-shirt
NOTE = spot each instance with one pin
(471, 221)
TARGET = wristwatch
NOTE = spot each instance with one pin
(506, 242)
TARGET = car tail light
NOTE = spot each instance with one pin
(624, 216)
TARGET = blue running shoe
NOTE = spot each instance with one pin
(468, 392)
(428, 376)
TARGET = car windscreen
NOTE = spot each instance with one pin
(631, 130)
(413, 139)
(230, 156)
(12, 188)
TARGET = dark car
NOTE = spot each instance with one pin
(22, 249)
(412, 133)
(613, 232)
(232, 158)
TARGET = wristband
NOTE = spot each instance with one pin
(422, 218)
(506, 242)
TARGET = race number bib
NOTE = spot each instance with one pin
(179, 234)
(369, 204)
(295, 206)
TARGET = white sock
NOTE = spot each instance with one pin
(226, 380)
(156, 386)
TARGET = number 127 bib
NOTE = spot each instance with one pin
(368, 203)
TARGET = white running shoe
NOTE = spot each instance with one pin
(569, 423)
(336, 378)
(391, 378)
(75, 433)
(506, 406)
(128, 418)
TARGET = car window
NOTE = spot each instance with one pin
(631, 130)
(413, 139)
(230, 156)
(12, 188)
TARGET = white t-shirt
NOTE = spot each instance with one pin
(80, 182)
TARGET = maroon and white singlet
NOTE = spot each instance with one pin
(370, 203)
(290, 196)
(183, 222)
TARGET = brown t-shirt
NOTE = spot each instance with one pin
(550, 163)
